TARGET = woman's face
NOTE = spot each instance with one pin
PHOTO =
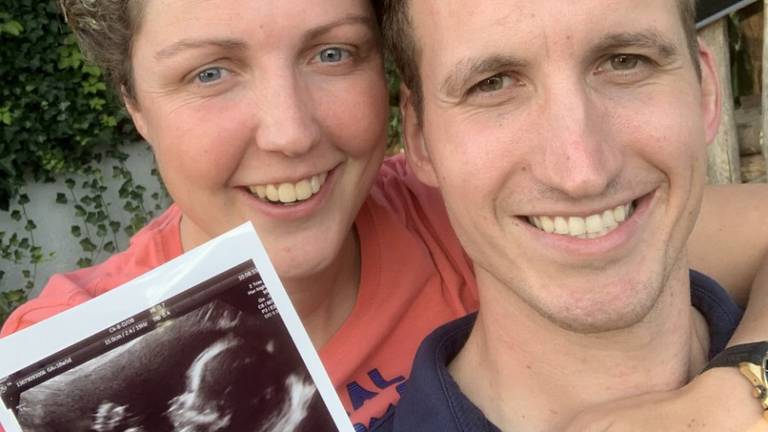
(266, 111)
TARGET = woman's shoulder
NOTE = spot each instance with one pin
(153, 245)
(398, 189)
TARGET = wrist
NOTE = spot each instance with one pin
(725, 391)
(744, 363)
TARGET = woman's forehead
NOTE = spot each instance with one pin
(166, 18)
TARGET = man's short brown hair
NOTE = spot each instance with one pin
(401, 43)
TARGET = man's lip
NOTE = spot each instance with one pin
(615, 239)
(585, 211)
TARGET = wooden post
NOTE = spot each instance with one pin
(765, 85)
(723, 154)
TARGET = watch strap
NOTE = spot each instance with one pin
(753, 353)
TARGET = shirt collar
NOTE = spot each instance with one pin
(439, 395)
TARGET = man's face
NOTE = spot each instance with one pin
(568, 139)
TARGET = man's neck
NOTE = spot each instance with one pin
(526, 373)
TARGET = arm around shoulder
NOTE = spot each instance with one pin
(730, 240)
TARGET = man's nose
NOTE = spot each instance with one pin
(580, 153)
(288, 123)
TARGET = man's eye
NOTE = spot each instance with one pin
(492, 84)
(333, 55)
(623, 62)
(210, 75)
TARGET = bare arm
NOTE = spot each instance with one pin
(730, 240)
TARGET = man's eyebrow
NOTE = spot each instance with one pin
(648, 39)
(191, 44)
(477, 66)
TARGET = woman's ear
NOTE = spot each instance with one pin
(132, 105)
(416, 150)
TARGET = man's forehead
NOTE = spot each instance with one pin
(442, 26)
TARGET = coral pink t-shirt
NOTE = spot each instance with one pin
(414, 277)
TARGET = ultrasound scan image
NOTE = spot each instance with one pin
(221, 367)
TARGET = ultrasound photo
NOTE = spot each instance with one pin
(195, 363)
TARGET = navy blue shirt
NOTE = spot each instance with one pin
(433, 401)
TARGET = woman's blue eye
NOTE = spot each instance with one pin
(333, 55)
(209, 75)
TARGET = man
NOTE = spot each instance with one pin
(568, 140)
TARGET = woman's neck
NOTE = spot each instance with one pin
(325, 300)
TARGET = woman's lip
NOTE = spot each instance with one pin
(296, 210)
(292, 180)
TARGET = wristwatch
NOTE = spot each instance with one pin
(752, 361)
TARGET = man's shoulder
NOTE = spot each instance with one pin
(717, 307)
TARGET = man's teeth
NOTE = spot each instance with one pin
(593, 226)
(287, 193)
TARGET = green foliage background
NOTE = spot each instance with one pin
(58, 119)
(56, 112)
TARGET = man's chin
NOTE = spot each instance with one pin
(600, 322)
(602, 310)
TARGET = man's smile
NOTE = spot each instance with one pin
(592, 226)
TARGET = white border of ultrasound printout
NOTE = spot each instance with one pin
(46, 338)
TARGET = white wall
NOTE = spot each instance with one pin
(54, 220)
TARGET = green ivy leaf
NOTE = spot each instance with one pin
(23, 199)
(16, 215)
(87, 245)
(61, 198)
(13, 28)
(76, 231)
(114, 226)
(15, 297)
(30, 226)
(109, 247)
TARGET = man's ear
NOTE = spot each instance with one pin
(416, 150)
(132, 105)
(711, 97)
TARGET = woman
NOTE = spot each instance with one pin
(275, 112)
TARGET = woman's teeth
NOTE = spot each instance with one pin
(287, 193)
(593, 226)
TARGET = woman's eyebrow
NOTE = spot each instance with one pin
(182, 45)
(365, 20)
(191, 44)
